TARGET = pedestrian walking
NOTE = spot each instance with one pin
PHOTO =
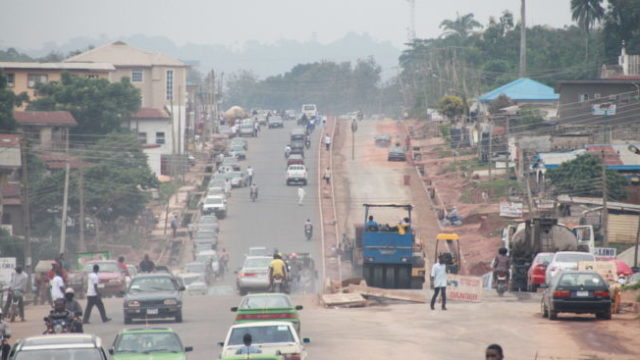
(301, 194)
(439, 282)
(327, 175)
(327, 141)
(191, 228)
(94, 297)
(227, 186)
(250, 174)
(174, 225)
(57, 285)
(146, 265)
(494, 352)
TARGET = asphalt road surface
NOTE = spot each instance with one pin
(275, 220)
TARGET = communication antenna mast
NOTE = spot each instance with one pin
(411, 30)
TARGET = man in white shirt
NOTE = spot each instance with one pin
(93, 297)
(327, 141)
(301, 194)
(250, 174)
(439, 282)
(57, 286)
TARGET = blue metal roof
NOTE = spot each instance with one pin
(523, 89)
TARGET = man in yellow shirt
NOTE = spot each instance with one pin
(277, 267)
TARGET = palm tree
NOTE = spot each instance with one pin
(587, 13)
(462, 26)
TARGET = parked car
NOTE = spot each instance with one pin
(215, 206)
(579, 292)
(272, 337)
(233, 161)
(296, 174)
(239, 179)
(59, 346)
(295, 159)
(148, 343)
(267, 307)
(226, 130)
(254, 274)
(112, 279)
(275, 122)
(240, 141)
(238, 152)
(207, 219)
(247, 130)
(537, 270)
(155, 295)
(396, 153)
(565, 260)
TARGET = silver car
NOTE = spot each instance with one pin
(254, 274)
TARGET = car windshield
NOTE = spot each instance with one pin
(585, 280)
(265, 301)
(151, 284)
(208, 220)
(204, 234)
(237, 148)
(191, 279)
(195, 267)
(104, 266)
(257, 262)
(309, 107)
(262, 334)
(59, 354)
(148, 342)
(296, 167)
(574, 257)
(213, 201)
(544, 259)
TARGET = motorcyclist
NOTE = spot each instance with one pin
(501, 263)
(253, 191)
(17, 287)
(5, 334)
(277, 267)
(308, 228)
(73, 306)
(59, 312)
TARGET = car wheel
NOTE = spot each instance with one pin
(127, 320)
(179, 316)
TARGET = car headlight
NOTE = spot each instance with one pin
(133, 303)
(171, 302)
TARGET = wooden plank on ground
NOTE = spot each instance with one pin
(350, 299)
(386, 293)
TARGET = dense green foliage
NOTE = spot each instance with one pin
(115, 174)
(334, 87)
(451, 106)
(98, 105)
(583, 177)
(8, 100)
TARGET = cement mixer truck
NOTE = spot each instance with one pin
(527, 239)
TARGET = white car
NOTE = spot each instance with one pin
(194, 283)
(272, 337)
(565, 260)
(217, 206)
(296, 174)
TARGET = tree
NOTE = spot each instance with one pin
(98, 105)
(461, 27)
(8, 101)
(582, 176)
(451, 106)
(622, 24)
(529, 118)
(500, 102)
(587, 13)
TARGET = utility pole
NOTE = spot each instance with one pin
(81, 244)
(65, 200)
(605, 209)
(523, 39)
(26, 202)
(180, 120)
(490, 149)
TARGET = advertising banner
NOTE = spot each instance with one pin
(464, 288)
(83, 258)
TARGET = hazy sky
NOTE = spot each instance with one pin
(30, 23)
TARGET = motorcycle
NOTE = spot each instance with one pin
(501, 282)
(14, 308)
(308, 231)
(57, 325)
(278, 284)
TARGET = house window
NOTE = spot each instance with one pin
(142, 137)
(136, 75)
(169, 84)
(11, 80)
(596, 96)
(583, 98)
(35, 79)
(92, 76)
(160, 138)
